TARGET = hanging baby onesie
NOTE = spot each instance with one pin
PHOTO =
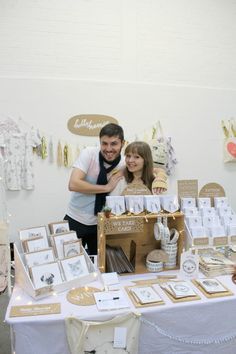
(31, 140)
(18, 155)
(98, 337)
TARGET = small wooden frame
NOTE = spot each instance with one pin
(182, 299)
(212, 295)
(58, 241)
(39, 257)
(58, 227)
(74, 267)
(135, 300)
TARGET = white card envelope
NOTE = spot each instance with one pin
(194, 221)
(217, 231)
(220, 202)
(211, 220)
(188, 202)
(198, 231)
(206, 211)
(203, 202)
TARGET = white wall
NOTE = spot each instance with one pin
(136, 60)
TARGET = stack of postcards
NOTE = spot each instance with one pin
(214, 263)
(144, 295)
(179, 289)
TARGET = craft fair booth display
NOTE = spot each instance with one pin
(49, 264)
(209, 223)
(135, 234)
(166, 327)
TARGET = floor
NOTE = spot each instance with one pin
(5, 342)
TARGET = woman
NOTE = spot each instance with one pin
(139, 169)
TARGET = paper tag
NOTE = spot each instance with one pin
(189, 265)
(120, 334)
(110, 278)
(35, 310)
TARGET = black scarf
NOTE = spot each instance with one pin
(102, 179)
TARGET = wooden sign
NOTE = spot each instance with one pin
(136, 189)
(123, 226)
(212, 190)
(35, 310)
(82, 296)
(188, 188)
(89, 124)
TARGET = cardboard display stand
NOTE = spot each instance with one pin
(205, 241)
(135, 234)
(23, 279)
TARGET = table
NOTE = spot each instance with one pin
(202, 326)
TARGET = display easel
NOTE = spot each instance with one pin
(135, 235)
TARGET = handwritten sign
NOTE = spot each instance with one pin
(35, 310)
(188, 188)
(136, 189)
(89, 124)
(124, 226)
(212, 190)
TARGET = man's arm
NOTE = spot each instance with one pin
(77, 183)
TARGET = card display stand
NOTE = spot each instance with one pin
(23, 279)
(205, 241)
(135, 234)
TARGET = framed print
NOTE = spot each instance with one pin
(40, 257)
(46, 274)
(72, 248)
(60, 239)
(58, 227)
(39, 231)
(74, 267)
(34, 244)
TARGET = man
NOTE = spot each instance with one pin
(92, 178)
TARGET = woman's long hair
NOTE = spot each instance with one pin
(143, 149)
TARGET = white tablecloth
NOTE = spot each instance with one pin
(202, 326)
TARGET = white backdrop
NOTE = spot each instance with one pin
(191, 116)
(136, 60)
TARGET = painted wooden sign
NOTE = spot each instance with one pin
(89, 124)
(188, 188)
(212, 190)
(123, 226)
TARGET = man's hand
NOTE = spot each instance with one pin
(113, 180)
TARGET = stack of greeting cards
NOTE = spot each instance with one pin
(212, 287)
(145, 295)
(179, 290)
(213, 263)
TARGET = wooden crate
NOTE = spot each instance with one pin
(135, 234)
